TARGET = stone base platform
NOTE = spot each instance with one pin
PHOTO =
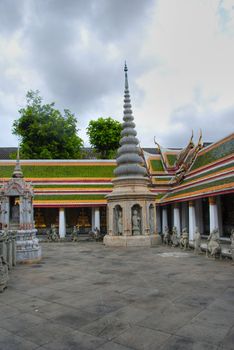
(28, 256)
(28, 249)
(130, 241)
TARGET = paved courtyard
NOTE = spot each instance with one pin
(87, 296)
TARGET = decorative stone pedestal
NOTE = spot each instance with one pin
(131, 214)
(28, 249)
(17, 219)
(131, 241)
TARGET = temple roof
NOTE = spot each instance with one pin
(87, 182)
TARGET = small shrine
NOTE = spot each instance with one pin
(131, 205)
(17, 215)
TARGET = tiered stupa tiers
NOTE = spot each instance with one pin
(131, 204)
(129, 161)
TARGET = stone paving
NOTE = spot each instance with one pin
(86, 296)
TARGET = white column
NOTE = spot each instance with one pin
(158, 219)
(97, 218)
(192, 220)
(164, 218)
(213, 213)
(62, 223)
(176, 218)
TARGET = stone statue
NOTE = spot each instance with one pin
(97, 234)
(3, 274)
(197, 241)
(166, 236)
(174, 237)
(232, 243)
(213, 244)
(4, 234)
(184, 239)
(74, 234)
(136, 223)
(119, 222)
(53, 236)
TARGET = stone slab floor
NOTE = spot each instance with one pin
(86, 296)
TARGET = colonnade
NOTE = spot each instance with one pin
(190, 214)
(62, 220)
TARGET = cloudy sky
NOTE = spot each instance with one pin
(180, 55)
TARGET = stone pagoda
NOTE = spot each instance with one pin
(131, 205)
(17, 215)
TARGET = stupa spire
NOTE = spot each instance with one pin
(126, 75)
(129, 161)
(17, 171)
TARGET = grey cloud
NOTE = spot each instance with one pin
(82, 75)
(11, 15)
(115, 19)
(76, 75)
(214, 125)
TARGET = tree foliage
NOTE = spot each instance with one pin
(44, 132)
(104, 136)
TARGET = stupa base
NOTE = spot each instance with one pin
(130, 241)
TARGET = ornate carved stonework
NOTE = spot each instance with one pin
(3, 273)
(17, 215)
(131, 205)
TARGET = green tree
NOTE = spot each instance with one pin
(44, 132)
(104, 136)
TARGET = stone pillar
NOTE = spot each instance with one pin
(192, 220)
(213, 213)
(164, 218)
(13, 251)
(127, 219)
(176, 218)
(62, 223)
(158, 220)
(155, 219)
(5, 207)
(97, 218)
(145, 221)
